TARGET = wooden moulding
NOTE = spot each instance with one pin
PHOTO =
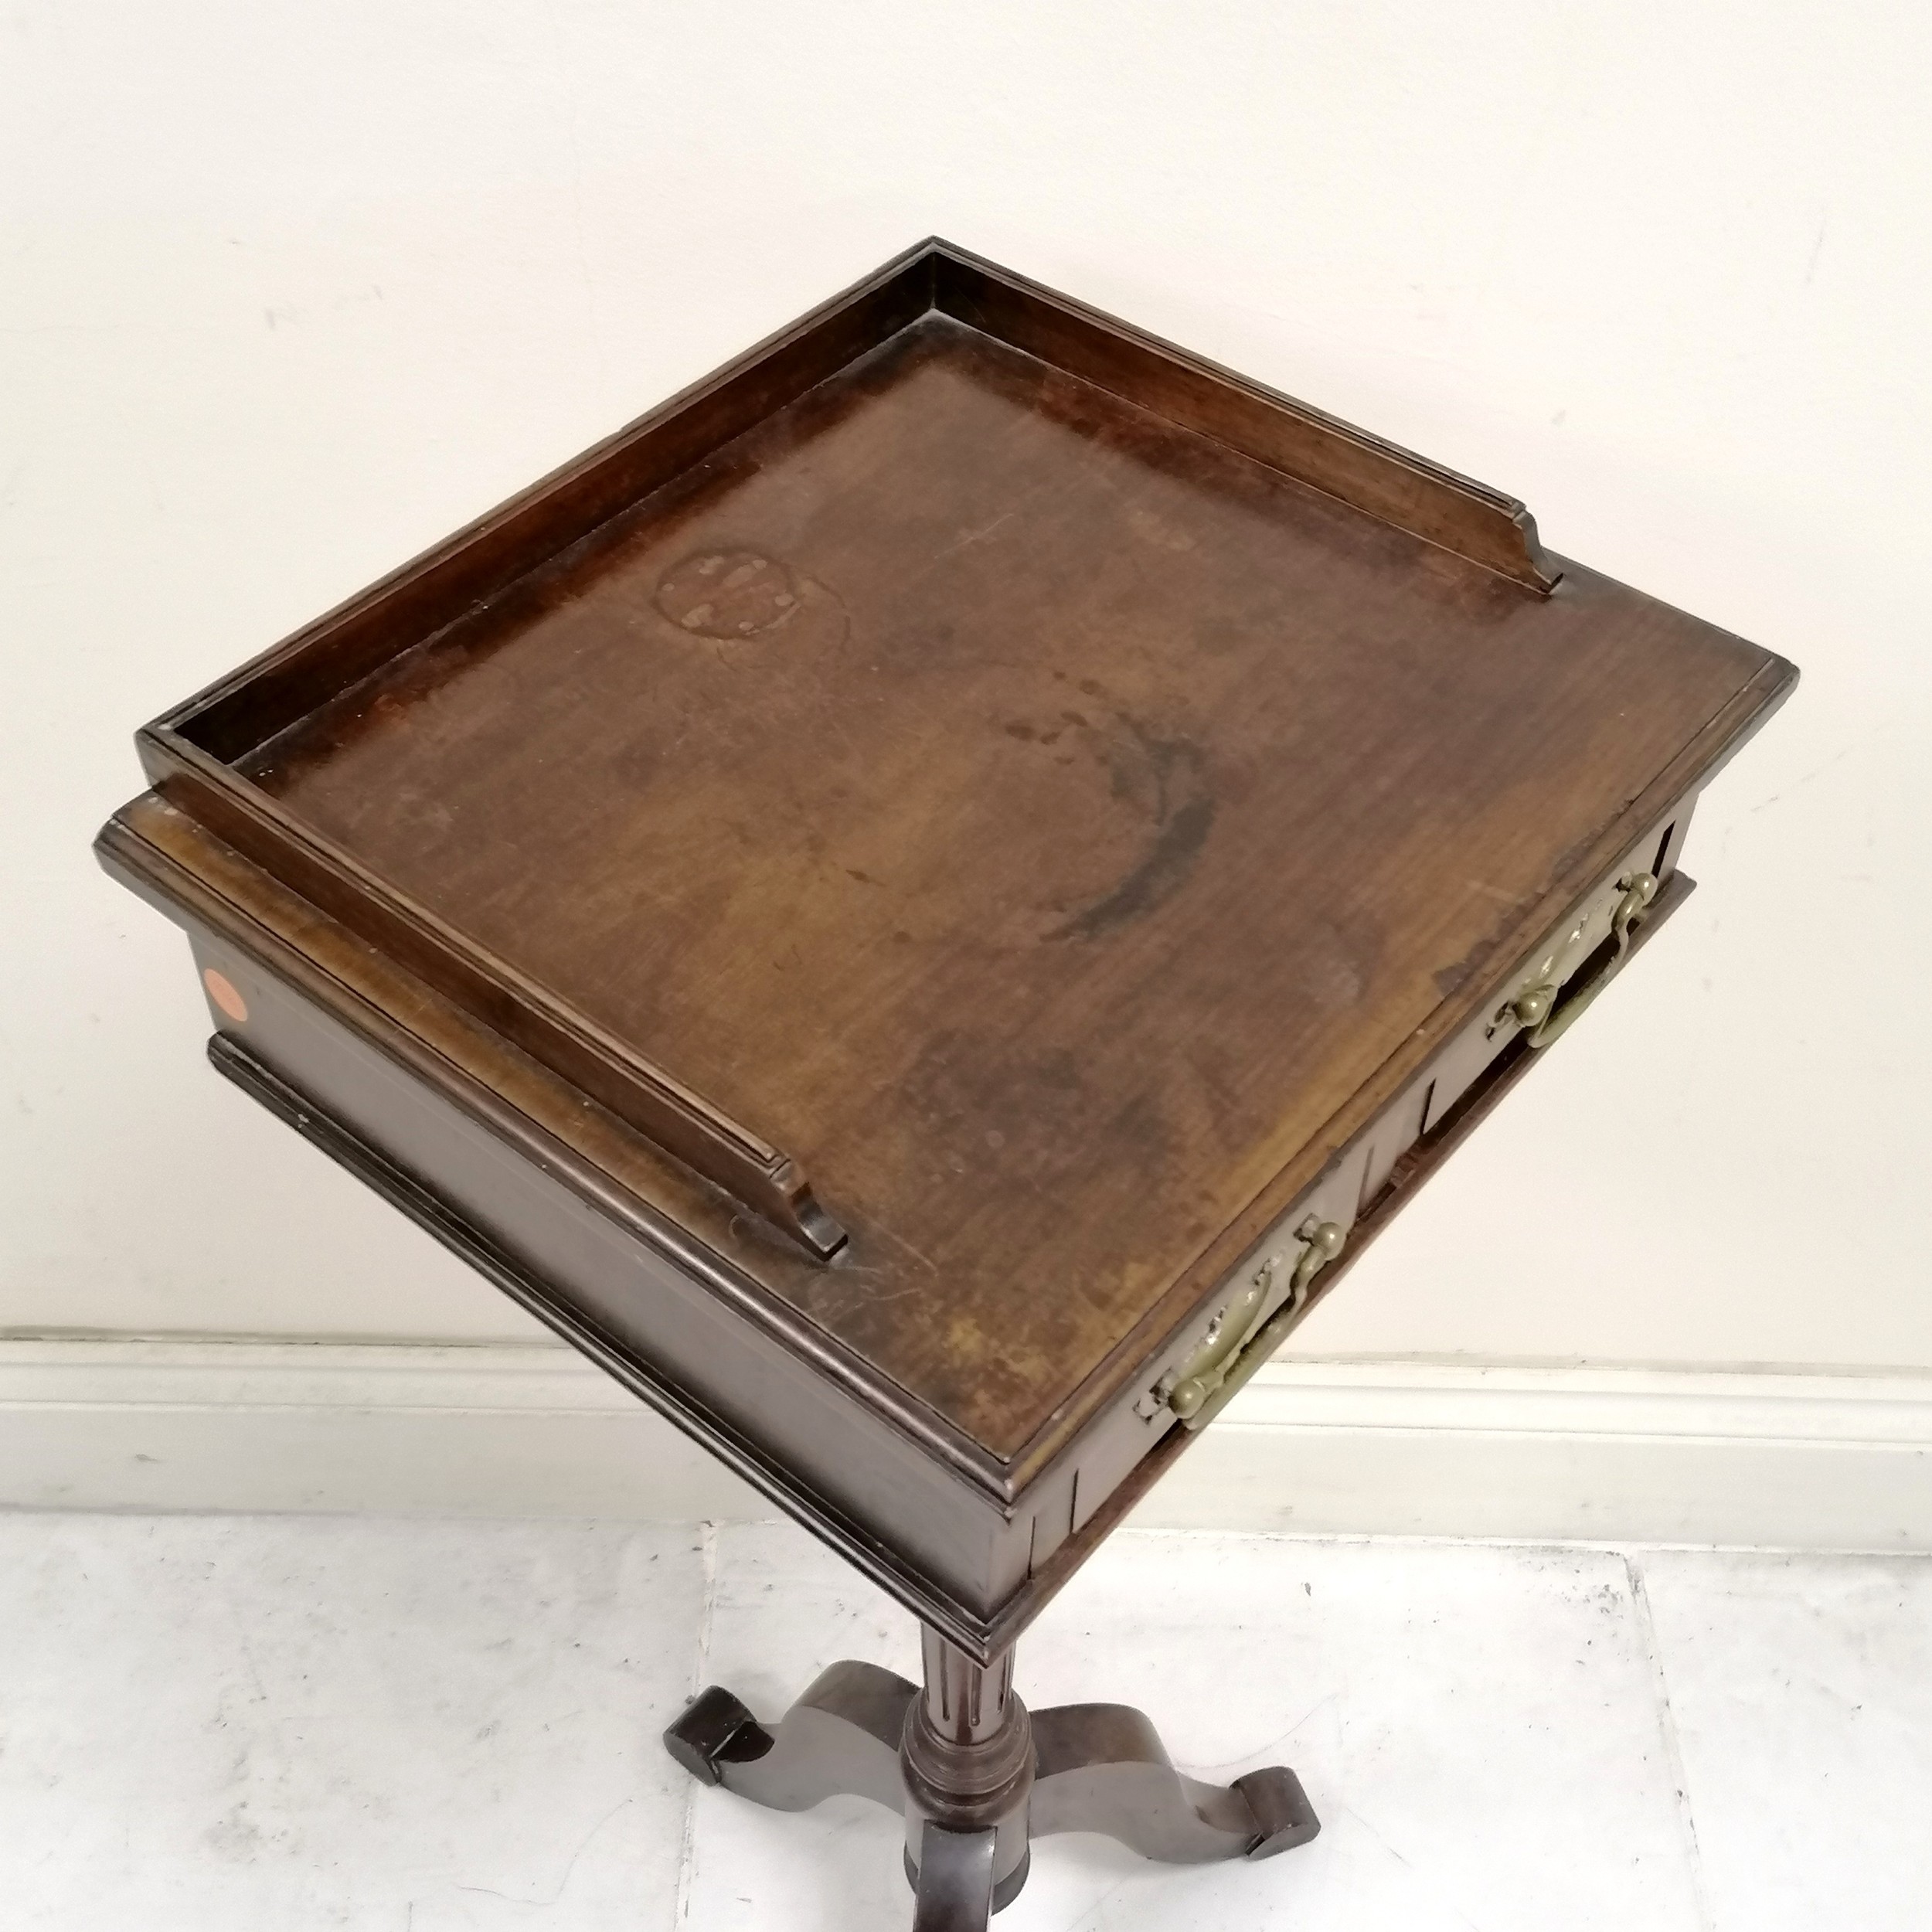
(193, 753)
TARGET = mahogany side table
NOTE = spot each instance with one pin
(921, 905)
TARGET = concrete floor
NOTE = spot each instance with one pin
(242, 1724)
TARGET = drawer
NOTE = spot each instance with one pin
(1265, 1294)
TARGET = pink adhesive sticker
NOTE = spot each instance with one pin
(221, 990)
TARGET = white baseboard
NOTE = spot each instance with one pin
(1733, 1459)
(1825, 1461)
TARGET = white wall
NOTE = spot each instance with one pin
(287, 293)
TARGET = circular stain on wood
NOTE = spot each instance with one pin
(1027, 812)
(728, 594)
(222, 990)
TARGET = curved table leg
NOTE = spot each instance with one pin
(842, 1734)
(955, 1888)
(1101, 1767)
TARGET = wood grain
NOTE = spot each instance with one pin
(1052, 791)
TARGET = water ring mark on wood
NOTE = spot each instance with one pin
(1183, 814)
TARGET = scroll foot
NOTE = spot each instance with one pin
(954, 1888)
(842, 1734)
(1101, 1767)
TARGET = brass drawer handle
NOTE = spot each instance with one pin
(1233, 1349)
(1539, 1011)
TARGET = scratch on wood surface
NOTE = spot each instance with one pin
(975, 536)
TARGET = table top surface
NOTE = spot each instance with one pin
(1035, 816)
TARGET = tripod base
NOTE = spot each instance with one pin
(979, 1777)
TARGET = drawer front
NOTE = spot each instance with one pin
(1276, 1282)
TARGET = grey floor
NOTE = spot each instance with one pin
(240, 1724)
